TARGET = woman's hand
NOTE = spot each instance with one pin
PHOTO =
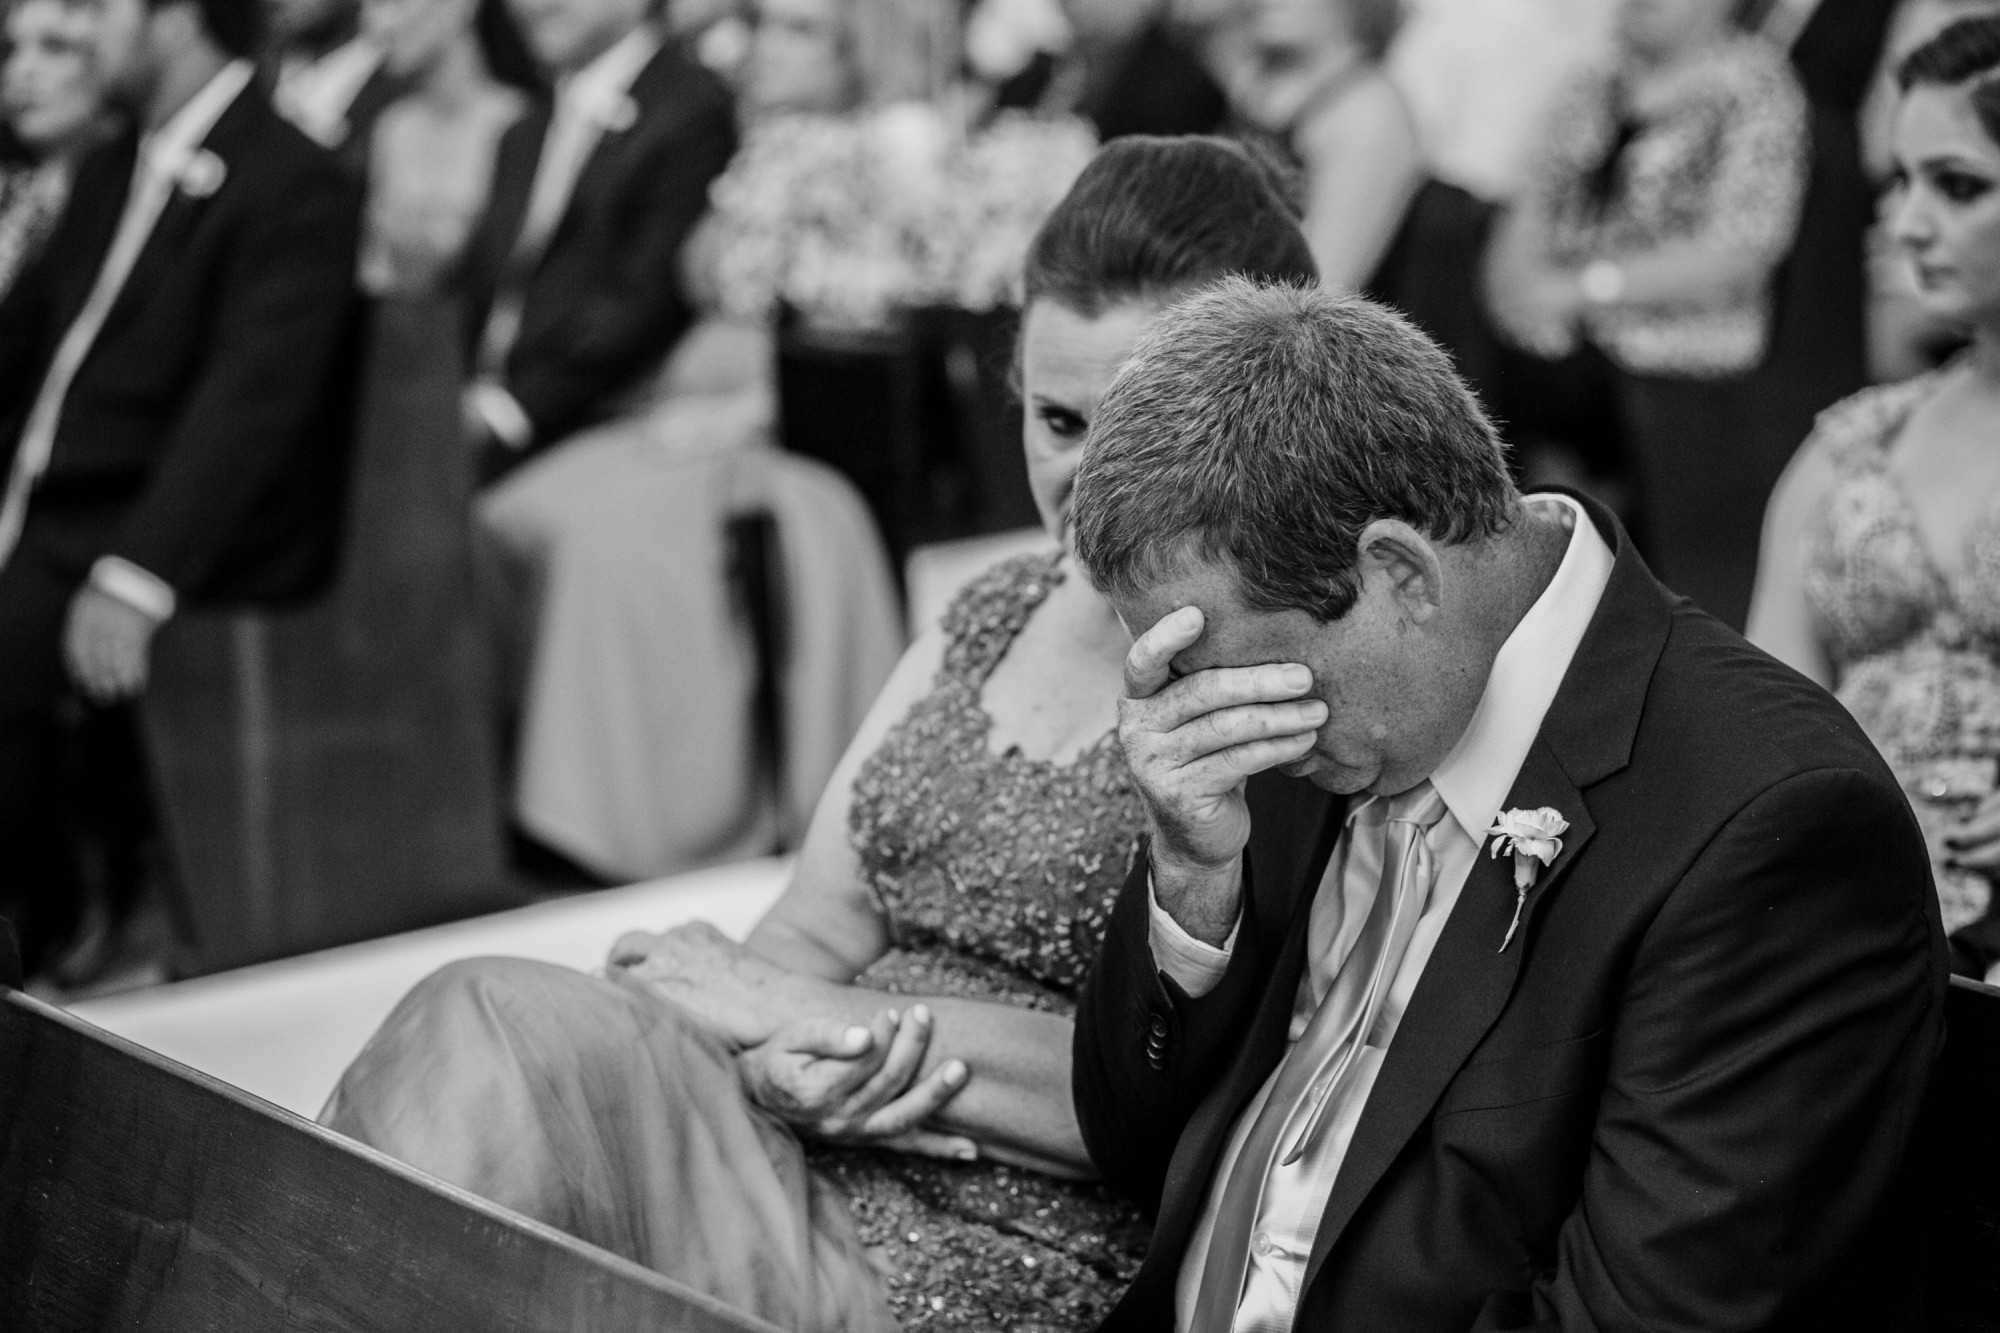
(740, 996)
(847, 1083)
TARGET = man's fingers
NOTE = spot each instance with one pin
(1230, 727)
(632, 947)
(1222, 770)
(1210, 691)
(1152, 653)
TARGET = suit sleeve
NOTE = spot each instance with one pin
(1145, 1052)
(280, 322)
(1767, 1066)
(637, 309)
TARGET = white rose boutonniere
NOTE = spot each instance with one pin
(203, 175)
(1535, 838)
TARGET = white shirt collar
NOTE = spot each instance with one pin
(606, 82)
(1476, 776)
(173, 144)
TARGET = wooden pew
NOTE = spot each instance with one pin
(137, 1194)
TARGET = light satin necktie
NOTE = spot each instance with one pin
(1317, 1067)
(152, 185)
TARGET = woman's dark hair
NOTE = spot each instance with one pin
(1152, 218)
(236, 25)
(1966, 52)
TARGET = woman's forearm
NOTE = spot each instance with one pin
(1016, 1102)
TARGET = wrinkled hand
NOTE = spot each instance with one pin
(847, 1083)
(107, 645)
(1190, 744)
(739, 996)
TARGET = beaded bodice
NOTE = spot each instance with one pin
(996, 873)
(1915, 651)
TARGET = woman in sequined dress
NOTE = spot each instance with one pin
(861, 1119)
(1880, 574)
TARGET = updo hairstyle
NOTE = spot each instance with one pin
(1967, 52)
(1151, 219)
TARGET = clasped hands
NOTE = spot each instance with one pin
(1191, 743)
(801, 1058)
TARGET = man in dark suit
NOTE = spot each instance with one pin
(1592, 980)
(573, 273)
(173, 383)
(327, 77)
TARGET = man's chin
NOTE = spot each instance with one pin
(1327, 777)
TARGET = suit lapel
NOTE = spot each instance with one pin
(1586, 736)
(647, 92)
(1465, 985)
(231, 140)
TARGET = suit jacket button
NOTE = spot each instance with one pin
(1156, 1059)
(1158, 1026)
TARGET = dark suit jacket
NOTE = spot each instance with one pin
(604, 304)
(1679, 1098)
(215, 402)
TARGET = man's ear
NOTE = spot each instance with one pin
(1393, 551)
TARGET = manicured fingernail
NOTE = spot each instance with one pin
(893, 1016)
(921, 1013)
(954, 1072)
(859, 1037)
(968, 1153)
(1298, 678)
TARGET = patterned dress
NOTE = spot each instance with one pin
(1915, 653)
(996, 873)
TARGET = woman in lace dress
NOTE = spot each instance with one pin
(1880, 575)
(861, 1119)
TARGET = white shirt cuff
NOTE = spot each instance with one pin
(141, 589)
(1195, 967)
(502, 414)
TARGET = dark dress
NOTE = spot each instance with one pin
(599, 1107)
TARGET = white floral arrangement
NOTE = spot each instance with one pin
(851, 219)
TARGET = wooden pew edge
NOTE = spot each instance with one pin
(624, 1268)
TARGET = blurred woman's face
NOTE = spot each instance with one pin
(1944, 203)
(1067, 361)
(798, 59)
(49, 87)
(1660, 29)
(413, 35)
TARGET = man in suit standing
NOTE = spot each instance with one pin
(327, 76)
(573, 274)
(173, 382)
(1592, 979)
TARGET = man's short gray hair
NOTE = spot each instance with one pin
(1263, 427)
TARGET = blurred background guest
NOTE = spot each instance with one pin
(1880, 575)
(627, 664)
(573, 295)
(1639, 260)
(327, 77)
(1308, 77)
(431, 154)
(1480, 77)
(1126, 66)
(1818, 351)
(52, 111)
(174, 377)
